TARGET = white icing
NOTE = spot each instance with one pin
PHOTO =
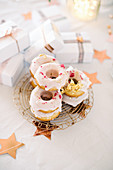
(49, 83)
(80, 76)
(37, 61)
(73, 100)
(43, 115)
(37, 103)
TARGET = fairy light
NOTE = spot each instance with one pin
(86, 9)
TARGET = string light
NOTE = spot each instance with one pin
(86, 9)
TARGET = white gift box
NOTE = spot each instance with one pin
(53, 12)
(77, 48)
(56, 14)
(11, 69)
(49, 35)
(12, 40)
(46, 39)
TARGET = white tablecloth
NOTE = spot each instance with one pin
(87, 145)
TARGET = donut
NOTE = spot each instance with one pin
(51, 76)
(45, 105)
(77, 88)
(41, 59)
(32, 82)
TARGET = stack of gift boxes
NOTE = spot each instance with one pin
(13, 40)
(15, 48)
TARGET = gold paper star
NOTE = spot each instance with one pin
(10, 146)
(27, 16)
(92, 78)
(45, 128)
(46, 133)
(101, 55)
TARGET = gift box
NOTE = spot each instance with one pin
(11, 69)
(77, 48)
(48, 35)
(46, 39)
(54, 13)
(12, 40)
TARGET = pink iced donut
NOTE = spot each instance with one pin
(51, 76)
(41, 59)
(45, 105)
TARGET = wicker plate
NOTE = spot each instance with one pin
(69, 115)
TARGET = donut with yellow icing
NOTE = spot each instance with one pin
(45, 105)
(51, 76)
(77, 88)
(41, 59)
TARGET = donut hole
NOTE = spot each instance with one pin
(46, 95)
(75, 80)
(53, 74)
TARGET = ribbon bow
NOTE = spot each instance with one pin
(6, 30)
(80, 39)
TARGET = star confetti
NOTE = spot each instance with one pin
(10, 146)
(110, 38)
(101, 55)
(45, 129)
(27, 16)
(92, 78)
(46, 133)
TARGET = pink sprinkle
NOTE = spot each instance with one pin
(44, 76)
(45, 86)
(81, 77)
(72, 75)
(60, 96)
(41, 73)
(44, 103)
(60, 74)
(62, 65)
(55, 94)
(53, 98)
(34, 62)
(54, 59)
(41, 66)
(39, 97)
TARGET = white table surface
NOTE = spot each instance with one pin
(87, 145)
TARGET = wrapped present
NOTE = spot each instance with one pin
(53, 12)
(12, 40)
(77, 48)
(46, 39)
(56, 14)
(11, 69)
